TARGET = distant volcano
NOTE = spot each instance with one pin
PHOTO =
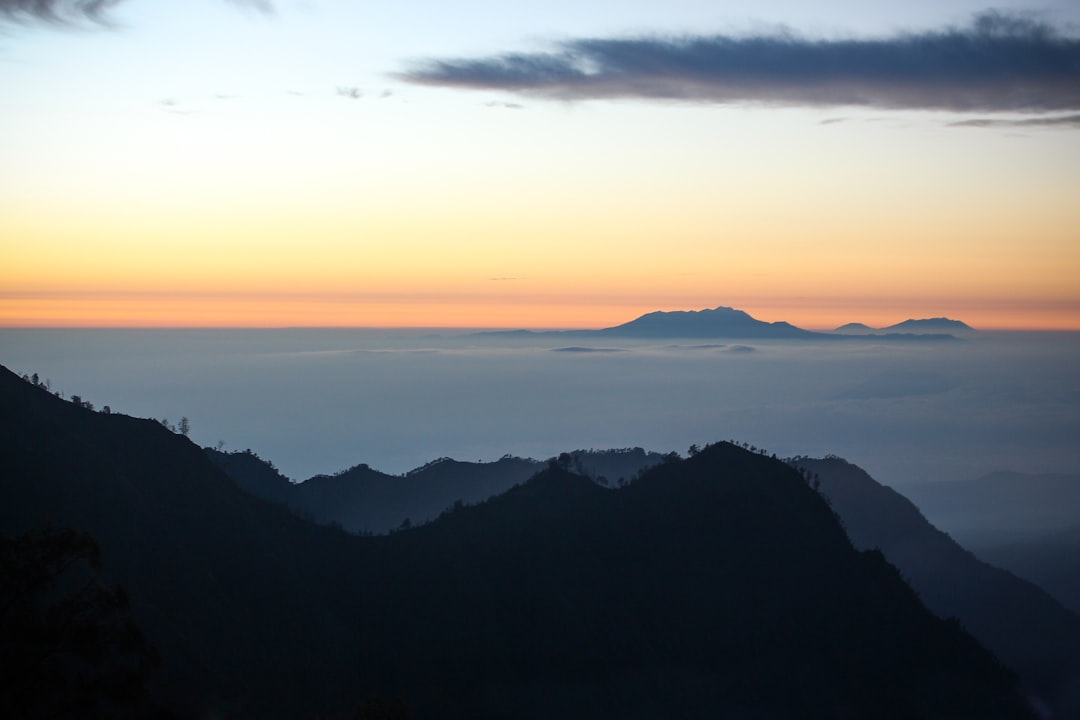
(718, 322)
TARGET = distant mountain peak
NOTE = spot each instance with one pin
(731, 323)
(857, 327)
(913, 326)
(720, 321)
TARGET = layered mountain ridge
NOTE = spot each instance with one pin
(717, 585)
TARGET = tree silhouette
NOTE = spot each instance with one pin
(68, 645)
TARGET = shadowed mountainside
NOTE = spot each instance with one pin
(1001, 507)
(1025, 523)
(1020, 622)
(1050, 561)
(720, 585)
(232, 590)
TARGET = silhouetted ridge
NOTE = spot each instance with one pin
(1027, 628)
(363, 500)
(254, 475)
(718, 586)
(219, 581)
(725, 565)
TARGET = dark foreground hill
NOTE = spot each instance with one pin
(718, 586)
(1025, 626)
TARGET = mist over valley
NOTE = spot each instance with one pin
(317, 401)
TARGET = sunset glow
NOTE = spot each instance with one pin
(339, 190)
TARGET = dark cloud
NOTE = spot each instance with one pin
(55, 11)
(64, 12)
(505, 105)
(998, 63)
(1065, 121)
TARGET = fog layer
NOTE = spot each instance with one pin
(320, 400)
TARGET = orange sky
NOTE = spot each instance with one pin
(137, 190)
(162, 310)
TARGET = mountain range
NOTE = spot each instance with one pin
(726, 322)
(718, 585)
(925, 325)
(363, 500)
(1018, 620)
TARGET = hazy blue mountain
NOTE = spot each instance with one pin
(363, 500)
(1001, 507)
(723, 323)
(855, 327)
(720, 322)
(1025, 523)
(1030, 630)
(718, 586)
(923, 326)
(1051, 561)
(613, 467)
(933, 325)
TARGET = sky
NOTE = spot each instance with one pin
(557, 164)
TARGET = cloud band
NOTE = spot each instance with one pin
(73, 11)
(998, 63)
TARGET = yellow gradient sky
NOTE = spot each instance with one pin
(209, 168)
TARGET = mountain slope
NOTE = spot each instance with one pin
(716, 586)
(1050, 561)
(1026, 627)
(1023, 522)
(219, 580)
(689, 588)
(1001, 507)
